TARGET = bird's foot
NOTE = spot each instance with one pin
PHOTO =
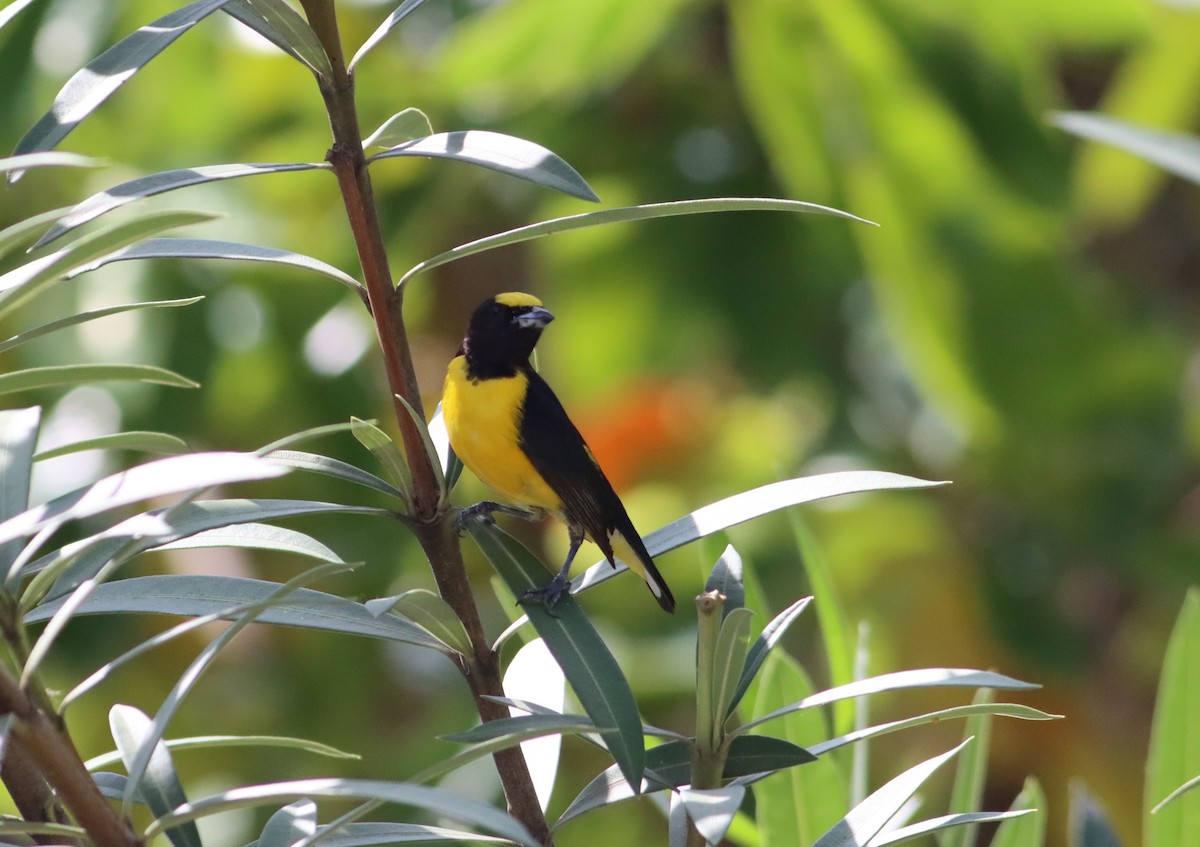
(548, 595)
(484, 511)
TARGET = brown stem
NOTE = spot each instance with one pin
(41, 744)
(432, 523)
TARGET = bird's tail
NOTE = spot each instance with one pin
(628, 547)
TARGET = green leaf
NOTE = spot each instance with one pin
(315, 463)
(23, 283)
(391, 22)
(1174, 758)
(871, 815)
(451, 465)
(729, 659)
(669, 765)
(102, 76)
(257, 536)
(141, 441)
(921, 678)
(289, 825)
(48, 159)
(193, 595)
(133, 190)
(386, 452)
(533, 675)
(426, 609)
(739, 508)
(726, 577)
(18, 435)
(1028, 830)
(504, 733)
(203, 248)
(1006, 710)
(159, 786)
(796, 805)
(1177, 793)
(59, 833)
(376, 833)
(403, 126)
(620, 215)
(10, 11)
(221, 742)
(835, 629)
(431, 800)
(966, 796)
(951, 825)
(90, 315)
(589, 667)
(160, 478)
(21, 232)
(55, 376)
(712, 810)
(759, 651)
(1089, 825)
(1174, 152)
(495, 151)
(280, 24)
(431, 453)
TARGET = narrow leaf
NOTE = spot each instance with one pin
(1088, 824)
(451, 465)
(390, 23)
(950, 824)
(132, 190)
(159, 787)
(712, 810)
(221, 742)
(871, 815)
(89, 315)
(56, 376)
(290, 824)
(1177, 793)
(1174, 759)
(430, 799)
(431, 453)
(53, 159)
(726, 577)
(258, 536)
(22, 232)
(533, 675)
(589, 667)
(966, 795)
(377, 833)
(280, 24)
(1028, 830)
(141, 441)
(1173, 152)
(18, 435)
(426, 609)
(386, 452)
(315, 463)
(203, 248)
(10, 11)
(729, 658)
(620, 215)
(752, 504)
(160, 478)
(495, 151)
(192, 595)
(92, 85)
(403, 126)
(758, 652)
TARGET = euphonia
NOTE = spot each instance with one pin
(507, 426)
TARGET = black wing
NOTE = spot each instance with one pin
(558, 452)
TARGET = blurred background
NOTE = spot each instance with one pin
(1022, 322)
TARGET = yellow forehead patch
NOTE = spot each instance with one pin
(517, 298)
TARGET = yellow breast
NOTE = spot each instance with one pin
(482, 419)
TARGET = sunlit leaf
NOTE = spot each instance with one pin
(620, 215)
(289, 825)
(160, 478)
(1174, 760)
(141, 441)
(133, 190)
(315, 463)
(90, 315)
(57, 376)
(758, 652)
(391, 22)
(429, 799)
(966, 795)
(220, 742)
(50, 159)
(866, 819)
(712, 810)
(92, 85)
(18, 436)
(22, 232)
(159, 786)
(378, 833)
(501, 734)
(590, 668)
(726, 577)
(423, 607)
(257, 536)
(947, 825)
(386, 452)
(431, 454)
(280, 24)
(533, 675)
(1028, 830)
(1171, 151)
(194, 594)
(403, 126)
(203, 248)
(10, 11)
(729, 658)
(504, 153)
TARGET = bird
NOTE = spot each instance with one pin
(508, 427)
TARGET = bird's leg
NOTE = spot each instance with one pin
(484, 509)
(550, 593)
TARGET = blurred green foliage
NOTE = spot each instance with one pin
(1022, 323)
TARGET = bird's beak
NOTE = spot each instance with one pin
(535, 318)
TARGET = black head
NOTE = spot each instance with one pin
(502, 334)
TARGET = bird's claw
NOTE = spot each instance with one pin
(548, 595)
(481, 511)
